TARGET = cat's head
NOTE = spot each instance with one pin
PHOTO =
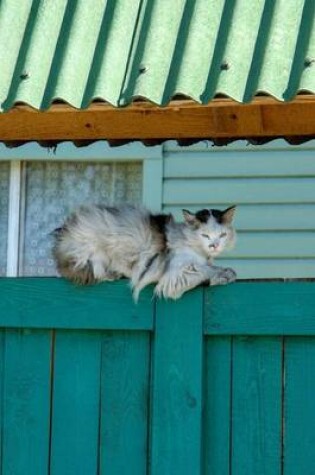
(212, 229)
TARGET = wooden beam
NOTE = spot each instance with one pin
(221, 118)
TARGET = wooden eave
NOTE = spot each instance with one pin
(181, 119)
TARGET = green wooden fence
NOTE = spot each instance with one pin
(221, 382)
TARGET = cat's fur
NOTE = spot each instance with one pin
(100, 243)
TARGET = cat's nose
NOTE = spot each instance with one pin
(215, 245)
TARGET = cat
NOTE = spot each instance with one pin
(103, 243)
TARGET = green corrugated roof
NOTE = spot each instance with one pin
(116, 51)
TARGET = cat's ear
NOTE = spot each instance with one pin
(190, 218)
(228, 215)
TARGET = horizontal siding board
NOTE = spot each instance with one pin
(268, 163)
(270, 217)
(238, 191)
(265, 308)
(56, 303)
(270, 268)
(274, 245)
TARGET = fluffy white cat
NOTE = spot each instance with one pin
(100, 243)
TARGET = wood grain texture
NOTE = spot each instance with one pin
(261, 308)
(75, 404)
(26, 402)
(299, 408)
(124, 403)
(256, 406)
(263, 117)
(177, 386)
(56, 303)
(218, 406)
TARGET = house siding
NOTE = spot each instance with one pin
(274, 189)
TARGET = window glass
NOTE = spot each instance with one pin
(4, 200)
(53, 190)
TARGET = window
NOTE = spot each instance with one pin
(37, 194)
(4, 201)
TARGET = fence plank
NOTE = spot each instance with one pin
(76, 394)
(26, 402)
(299, 408)
(124, 403)
(217, 406)
(2, 373)
(256, 406)
(177, 386)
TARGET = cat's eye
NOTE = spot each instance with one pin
(223, 235)
(206, 236)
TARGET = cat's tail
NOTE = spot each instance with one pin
(80, 273)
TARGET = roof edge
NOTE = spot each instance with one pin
(181, 119)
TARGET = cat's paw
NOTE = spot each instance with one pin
(223, 276)
(168, 291)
